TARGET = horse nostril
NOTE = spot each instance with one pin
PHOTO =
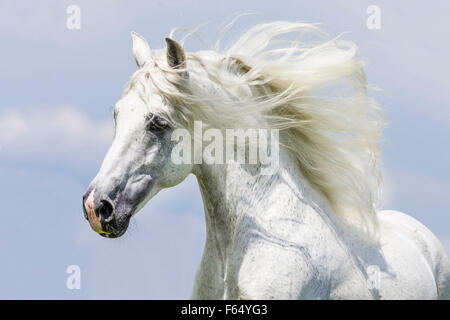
(104, 210)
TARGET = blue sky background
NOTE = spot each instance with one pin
(58, 87)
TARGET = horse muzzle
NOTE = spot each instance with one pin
(99, 211)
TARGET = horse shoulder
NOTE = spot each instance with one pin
(426, 242)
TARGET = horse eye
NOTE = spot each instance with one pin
(157, 123)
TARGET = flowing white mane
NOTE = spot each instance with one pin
(312, 88)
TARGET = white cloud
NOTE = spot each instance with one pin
(62, 132)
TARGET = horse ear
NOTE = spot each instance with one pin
(175, 54)
(141, 50)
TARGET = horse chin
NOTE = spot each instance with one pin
(114, 228)
(112, 235)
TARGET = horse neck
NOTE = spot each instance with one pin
(235, 195)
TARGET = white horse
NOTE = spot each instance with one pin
(310, 230)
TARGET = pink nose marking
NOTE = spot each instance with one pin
(94, 221)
